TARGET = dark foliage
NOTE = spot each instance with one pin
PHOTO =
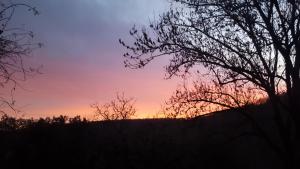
(8, 123)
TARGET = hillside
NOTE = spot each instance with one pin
(218, 140)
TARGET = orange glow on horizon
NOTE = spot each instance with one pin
(143, 111)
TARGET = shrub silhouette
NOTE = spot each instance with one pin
(120, 108)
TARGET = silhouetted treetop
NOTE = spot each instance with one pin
(239, 42)
(8, 123)
(242, 38)
(15, 44)
(120, 108)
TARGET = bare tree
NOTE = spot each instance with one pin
(15, 44)
(245, 42)
(202, 98)
(120, 108)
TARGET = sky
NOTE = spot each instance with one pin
(82, 60)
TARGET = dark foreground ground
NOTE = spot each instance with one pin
(218, 141)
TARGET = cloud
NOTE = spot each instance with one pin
(72, 27)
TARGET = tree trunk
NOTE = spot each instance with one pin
(295, 100)
(293, 121)
(295, 110)
(284, 132)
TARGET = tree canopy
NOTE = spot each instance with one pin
(120, 108)
(15, 44)
(240, 43)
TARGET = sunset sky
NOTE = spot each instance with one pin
(82, 59)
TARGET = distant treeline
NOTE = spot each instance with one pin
(13, 123)
(215, 141)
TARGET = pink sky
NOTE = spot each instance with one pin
(82, 59)
(70, 88)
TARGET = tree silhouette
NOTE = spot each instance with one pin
(200, 98)
(120, 108)
(15, 44)
(240, 42)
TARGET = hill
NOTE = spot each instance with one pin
(223, 139)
